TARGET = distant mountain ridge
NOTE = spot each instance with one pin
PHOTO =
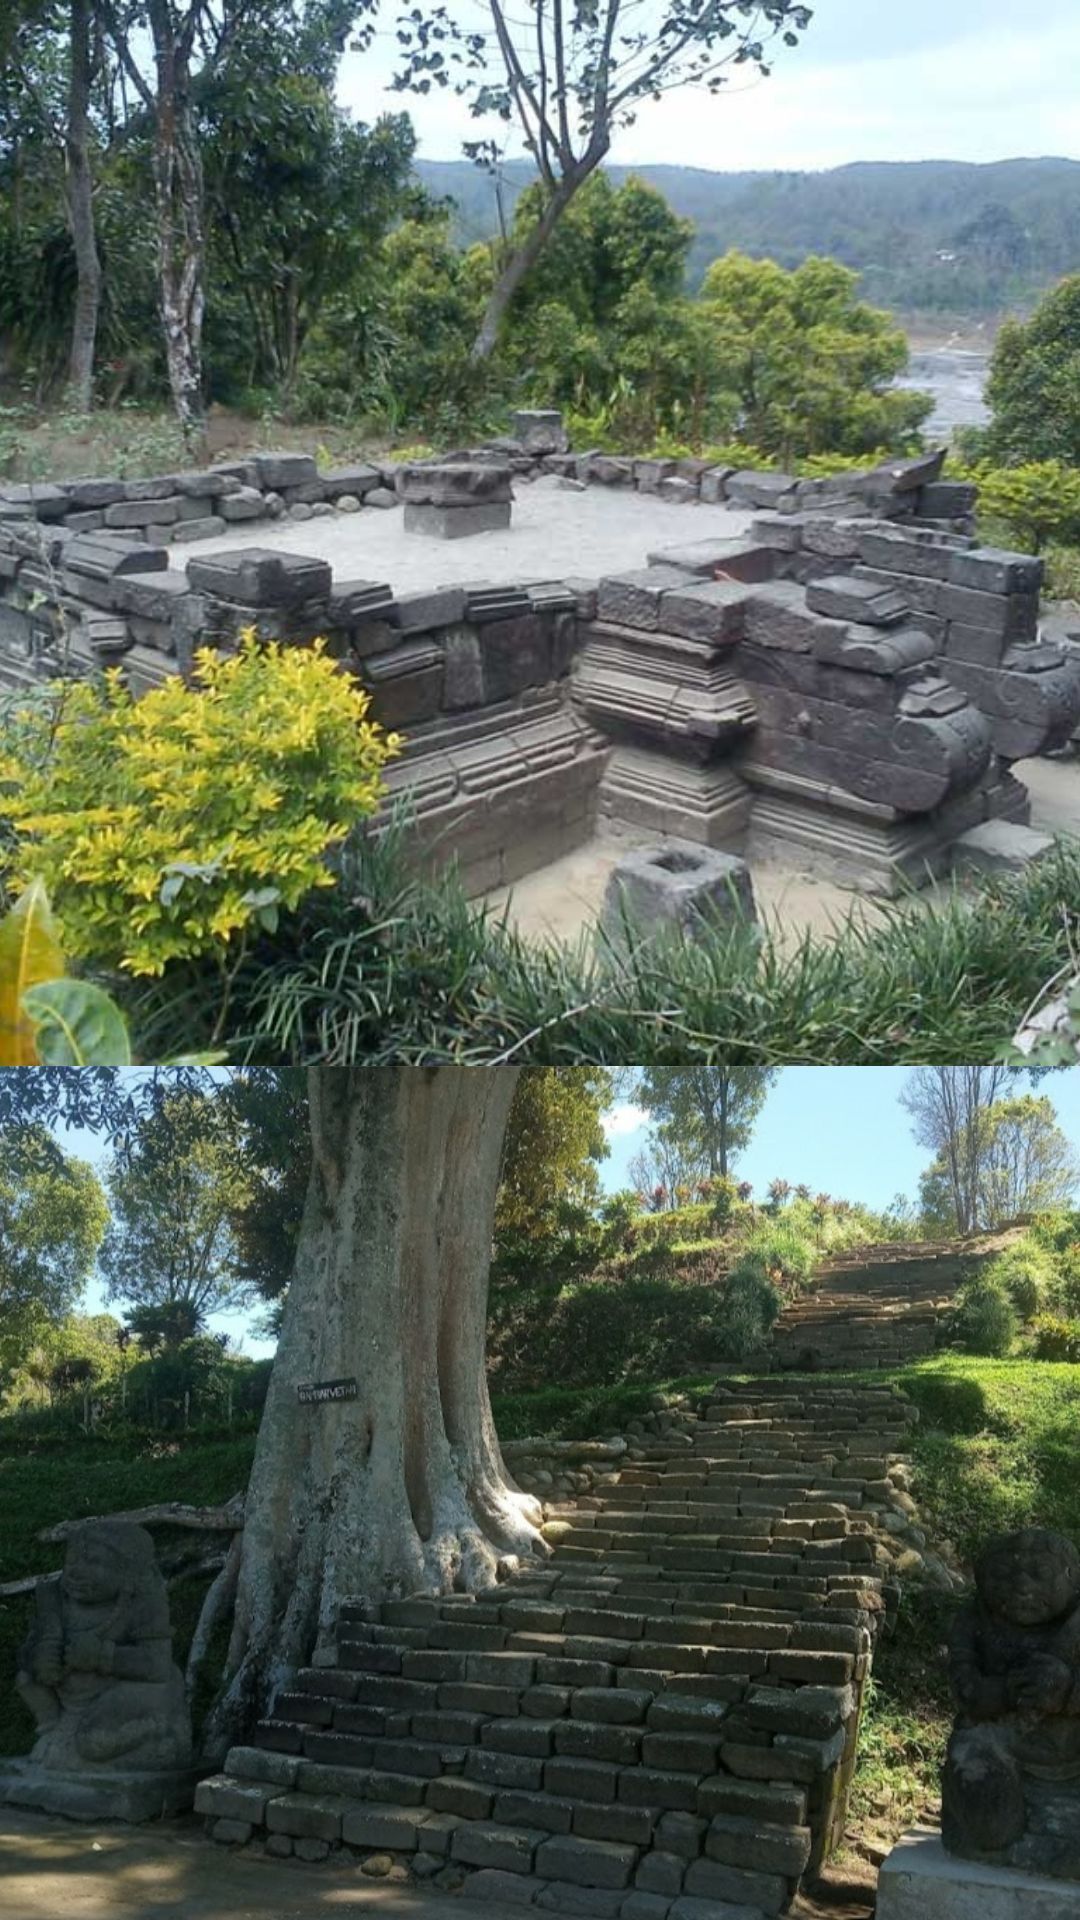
(943, 235)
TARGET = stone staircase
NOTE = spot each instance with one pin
(660, 1721)
(872, 1307)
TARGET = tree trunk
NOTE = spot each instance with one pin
(79, 190)
(517, 266)
(178, 191)
(401, 1489)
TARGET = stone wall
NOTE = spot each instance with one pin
(848, 684)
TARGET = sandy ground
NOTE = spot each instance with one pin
(563, 900)
(51, 1868)
(555, 532)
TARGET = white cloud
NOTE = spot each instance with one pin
(988, 94)
(623, 1119)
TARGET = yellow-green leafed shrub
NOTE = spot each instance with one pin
(174, 825)
(1037, 504)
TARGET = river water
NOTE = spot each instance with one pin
(957, 379)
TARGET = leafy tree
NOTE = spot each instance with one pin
(1034, 384)
(53, 60)
(1003, 1157)
(393, 342)
(170, 1253)
(81, 1349)
(554, 1140)
(1028, 1164)
(168, 50)
(404, 1488)
(53, 1215)
(948, 1106)
(707, 1112)
(601, 325)
(808, 365)
(297, 199)
(570, 77)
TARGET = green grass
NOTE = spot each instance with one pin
(906, 1719)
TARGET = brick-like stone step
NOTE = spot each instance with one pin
(658, 1723)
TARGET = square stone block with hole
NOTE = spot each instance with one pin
(679, 884)
(456, 523)
(920, 1881)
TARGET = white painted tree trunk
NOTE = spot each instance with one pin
(402, 1489)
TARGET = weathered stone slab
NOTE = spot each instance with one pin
(634, 599)
(453, 485)
(841, 598)
(587, 1863)
(38, 498)
(1000, 846)
(104, 556)
(202, 529)
(94, 493)
(406, 684)
(920, 1881)
(993, 571)
(890, 651)
(276, 471)
(948, 500)
(144, 513)
(539, 430)
(714, 613)
(247, 503)
(256, 576)
(719, 559)
(749, 489)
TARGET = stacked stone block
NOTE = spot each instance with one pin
(655, 675)
(179, 507)
(659, 1722)
(450, 501)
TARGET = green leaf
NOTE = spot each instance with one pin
(76, 1025)
(29, 954)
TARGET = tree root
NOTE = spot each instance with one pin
(170, 1513)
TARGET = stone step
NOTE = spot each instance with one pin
(649, 1727)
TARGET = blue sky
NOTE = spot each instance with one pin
(841, 1130)
(872, 80)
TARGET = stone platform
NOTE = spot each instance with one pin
(99, 1795)
(920, 1881)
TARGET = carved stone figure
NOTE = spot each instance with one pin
(97, 1672)
(1011, 1783)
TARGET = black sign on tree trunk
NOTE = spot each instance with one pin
(327, 1390)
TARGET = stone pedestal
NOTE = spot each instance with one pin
(833, 835)
(99, 1795)
(920, 1881)
(677, 885)
(456, 522)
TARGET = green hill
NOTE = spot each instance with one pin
(937, 235)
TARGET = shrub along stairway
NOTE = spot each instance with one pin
(875, 1306)
(658, 1721)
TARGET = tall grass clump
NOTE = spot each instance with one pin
(390, 966)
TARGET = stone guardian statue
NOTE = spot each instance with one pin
(97, 1672)
(1011, 1782)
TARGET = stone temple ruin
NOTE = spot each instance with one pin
(845, 687)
